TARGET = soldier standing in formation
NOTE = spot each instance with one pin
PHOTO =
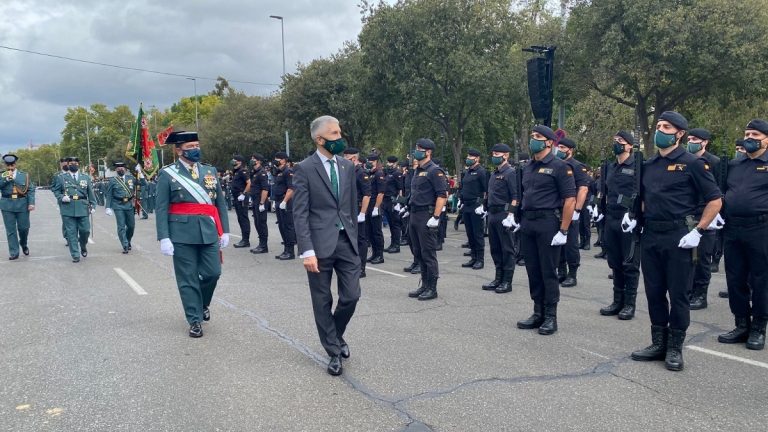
(373, 222)
(392, 196)
(259, 197)
(119, 202)
(363, 183)
(473, 193)
(74, 193)
(241, 189)
(282, 192)
(18, 199)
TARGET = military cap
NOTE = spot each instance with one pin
(118, 164)
(501, 148)
(257, 156)
(739, 142)
(10, 159)
(700, 133)
(351, 151)
(758, 125)
(373, 157)
(675, 118)
(238, 158)
(181, 137)
(627, 136)
(544, 130)
(524, 156)
(391, 158)
(404, 163)
(73, 159)
(281, 155)
(473, 152)
(567, 142)
(425, 143)
(62, 159)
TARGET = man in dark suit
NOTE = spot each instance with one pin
(325, 218)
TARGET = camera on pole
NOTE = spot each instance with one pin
(540, 82)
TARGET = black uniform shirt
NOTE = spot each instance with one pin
(620, 182)
(546, 183)
(428, 184)
(474, 183)
(407, 182)
(283, 182)
(394, 183)
(502, 187)
(747, 188)
(239, 180)
(378, 184)
(713, 162)
(363, 184)
(580, 176)
(674, 184)
(259, 182)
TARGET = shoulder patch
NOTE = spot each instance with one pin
(440, 174)
(569, 172)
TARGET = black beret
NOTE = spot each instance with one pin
(502, 148)
(425, 143)
(523, 156)
(257, 156)
(675, 118)
(118, 164)
(181, 137)
(391, 158)
(473, 152)
(739, 142)
(437, 161)
(627, 136)
(238, 158)
(547, 132)
(567, 142)
(62, 160)
(758, 125)
(73, 159)
(351, 150)
(700, 133)
(404, 163)
(373, 157)
(281, 155)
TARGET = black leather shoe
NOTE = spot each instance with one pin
(362, 274)
(13, 257)
(740, 334)
(83, 252)
(409, 268)
(403, 242)
(756, 339)
(533, 321)
(130, 247)
(25, 250)
(439, 247)
(469, 263)
(393, 249)
(714, 268)
(334, 366)
(657, 350)
(569, 282)
(75, 259)
(416, 269)
(345, 351)
(260, 249)
(585, 247)
(242, 244)
(478, 265)
(377, 260)
(602, 255)
(467, 253)
(286, 256)
(428, 294)
(206, 314)
(699, 302)
(125, 249)
(195, 330)
(465, 245)
(723, 294)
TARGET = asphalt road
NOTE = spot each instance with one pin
(86, 349)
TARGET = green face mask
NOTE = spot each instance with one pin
(469, 162)
(336, 146)
(693, 147)
(663, 140)
(536, 146)
(419, 154)
(497, 160)
(559, 153)
(369, 165)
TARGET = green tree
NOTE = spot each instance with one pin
(105, 130)
(182, 114)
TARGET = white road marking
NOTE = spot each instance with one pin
(234, 235)
(384, 271)
(729, 356)
(129, 280)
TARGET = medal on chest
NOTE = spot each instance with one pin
(210, 181)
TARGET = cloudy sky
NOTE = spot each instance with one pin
(205, 38)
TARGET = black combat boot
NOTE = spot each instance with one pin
(549, 326)
(490, 286)
(410, 267)
(562, 272)
(615, 307)
(533, 321)
(756, 340)
(738, 335)
(602, 254)
(628, 311)
(431, 291)
(699, 298)
(393, 248)
(658, 348)
(570, 279)
(723, 294)
(260, 249)
(422, 286)
(674, 357)
(506, 282)
(471, 262)
(416, 269)
(287, 254)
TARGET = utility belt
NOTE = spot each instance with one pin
(669, 225)
(541, 214)
(417, 209)
(15, 196)
(75, 197)
(744, 221)
(477, 201)
(616, 212)
(498, 208)
(126, 199)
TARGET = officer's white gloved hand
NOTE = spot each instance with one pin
(108, 212)
(283, 205)
(241, 197)
(93, 210)
(717, 223)
(690, 240)
(599, 218)
(443, 209)
(375, 212)
(458, 203)
(166, 247)
(360, 217)
(479, 210)
(261, 208)
(590, 209)
(594, 212)
(404, 210)
(628, 224)
(398, 207)
(433, 222)
(224, 241)
(576, 215)
(65, 198)
(406, 214)
(509, 222)
(138, 168)
(559, 239)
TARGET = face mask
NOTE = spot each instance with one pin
(73, 168)
(419, 154)
(663, 140)
(751, 145)
(276, 163)
(535, 146)
(497, 160)
(121, 172)
(560, 154)
(693, 147)
(192, 155)
(618, 148)
(369, 165)
(469, 162)
(739, 155)
(336, 146)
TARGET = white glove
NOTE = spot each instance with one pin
(361, 217)
(479, 210)
(690, 240)
(509, 222)
(283, 205)
(590, 209)
(65, 198)
(108, 212)
(224, 241)
(241, 197)
(261, 208)
(398, 207)
(375, 212)
(458, 203)
(403, 211)
(137, 167)
(594, 212)
(559, 239)
(443, 210)
(406, 214)
(627, 224)
(717, 223)
(576, 215)
(433, 222)
(599, 218)
(166, 247)
(141, 175)
(93, 210)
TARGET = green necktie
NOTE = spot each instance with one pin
(334, 179)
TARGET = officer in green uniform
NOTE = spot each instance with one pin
(64, 169)
(18, 199)
(152, 194)
(119, 202)
(74, 193)
(144, 196)
(192, 226)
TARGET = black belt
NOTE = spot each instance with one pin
(616, 212)
(539, 214)
(665, 225)
(746, 220)
(14, 196)
(415, 209)
(498, 208)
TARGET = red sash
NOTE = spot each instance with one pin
(195, 209)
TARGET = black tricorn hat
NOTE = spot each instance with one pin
(181, 137)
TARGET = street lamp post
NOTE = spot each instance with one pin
(197, 120)
(88, 141)
(282, 38)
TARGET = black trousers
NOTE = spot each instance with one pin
(617, 244)
(331, 325)
(473, 224)
(702, 270)
(404, 225)
(585, 230)
(570, 253)
(667, 270)
(285, 225)
(746, 269)
(502, 242)
(362, 243)
(374, 233)
(393, 217)
(260, 223)
(442, 228)
(424, 243)
(541, 258)
(241, 209)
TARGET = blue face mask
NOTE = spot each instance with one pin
(693, 147)
(469, 162)
(192, 155)
(751, 145)
(663, 140)
(419, 154)
(497, 160)
(536, 146)
(618, 148)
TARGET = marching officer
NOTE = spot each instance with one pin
(363, 201)
(673, 183)
(549, 197)
(241, 189)
(63, 169)
(192, 226)
(74, 194)
(502, 204)
(615, 202)
(392, 195)
(571, 256)
(259, 197)
(429, 193)
(473, 193)
(373, 222)
(745, 236)
(18, 199)
(119, 202)
(282, 192)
